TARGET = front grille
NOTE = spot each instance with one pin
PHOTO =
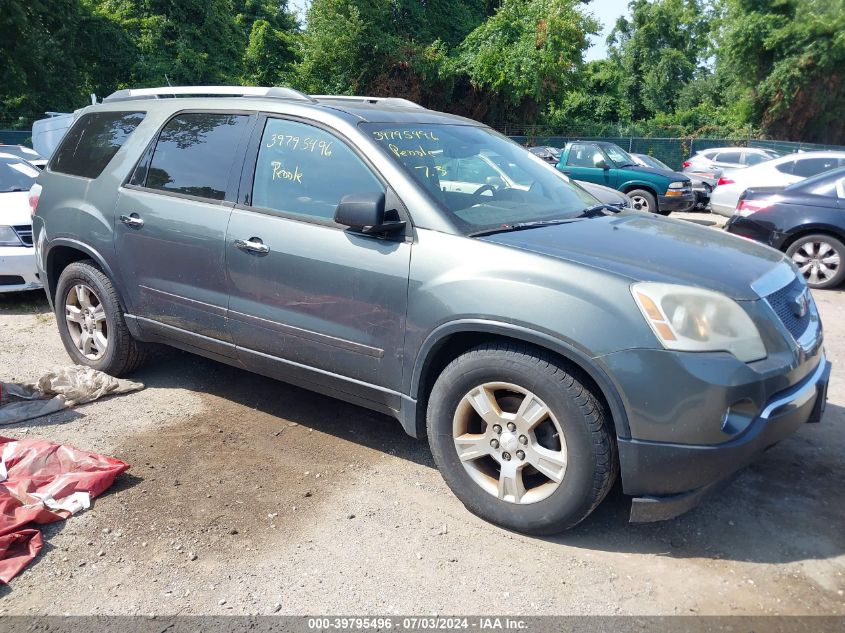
(11, 280)
(783, 303)
(24, 232)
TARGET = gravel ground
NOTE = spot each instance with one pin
(248, 496)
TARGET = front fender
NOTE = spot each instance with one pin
(643, 184)
(579, 357)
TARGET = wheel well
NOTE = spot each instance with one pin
(628, 188)
(789, 241)
(456, 344)
(59, 259)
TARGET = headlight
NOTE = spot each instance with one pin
(677, 188)
(691, 319)
(8, 237)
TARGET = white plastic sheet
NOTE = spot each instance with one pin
(57, 389)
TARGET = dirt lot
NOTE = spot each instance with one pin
(250, 496)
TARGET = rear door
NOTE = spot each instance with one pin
(312, 302)
(170, 227)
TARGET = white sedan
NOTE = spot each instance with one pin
(773, 173)
(17, 256)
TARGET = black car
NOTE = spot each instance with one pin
(805, 220)
(549, 154)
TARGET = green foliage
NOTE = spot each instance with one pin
(659, 50)
(730, 68)
(788, 56)
(528, 52)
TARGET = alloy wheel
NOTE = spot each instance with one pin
(509, 442)
(86, 321)
(640, 203)
(817, 260)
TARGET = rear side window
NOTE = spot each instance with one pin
(753, 159)
(728, 157)
(194, 154)
(807, 167)
(93, 141)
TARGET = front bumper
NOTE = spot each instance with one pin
(667, 479)
(667, 204)
(18, 270)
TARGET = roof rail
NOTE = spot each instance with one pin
(129, 94)
(388, 101)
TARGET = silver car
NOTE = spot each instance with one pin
(365, 248)
(713, 161)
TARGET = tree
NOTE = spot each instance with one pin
(788, 57)
(660, 49)
(526, 54)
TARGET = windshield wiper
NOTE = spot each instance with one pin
(598, 210)
(521, 226)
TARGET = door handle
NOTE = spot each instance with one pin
(132, 220)
(252, 245)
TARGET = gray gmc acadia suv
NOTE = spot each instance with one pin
(365, 248)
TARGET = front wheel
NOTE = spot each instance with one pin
(519, 439)
(820, 258)
(644, 201)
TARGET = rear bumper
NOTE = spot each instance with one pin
(667, 204)
(682, 474)
(747, 227)
(18, 270)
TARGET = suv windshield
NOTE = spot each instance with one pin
(16, 175)
(619, 155)
(480, 178)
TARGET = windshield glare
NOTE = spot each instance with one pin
(619, 156)
(480, 178)
(16, 175)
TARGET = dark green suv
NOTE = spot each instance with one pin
(655, 190)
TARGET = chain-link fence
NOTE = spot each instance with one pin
(674, 151)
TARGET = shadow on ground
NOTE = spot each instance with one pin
(785, 507)
(20, 303)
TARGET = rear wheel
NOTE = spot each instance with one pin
(91, 323)
(644, 200)
(820, 258)
(519, 440)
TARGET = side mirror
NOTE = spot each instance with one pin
(365, 212)
(494, 181)
(600, 162)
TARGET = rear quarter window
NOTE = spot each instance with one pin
(92, 142)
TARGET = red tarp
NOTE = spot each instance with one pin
(42, 482)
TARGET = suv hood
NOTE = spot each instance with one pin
(14, 208)
(645, 247)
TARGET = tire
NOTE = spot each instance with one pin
(821, 258)
(542, 506)
(645, 200)
(115, 352)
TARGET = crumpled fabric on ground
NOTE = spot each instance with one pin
(57, 389)
(42, 482)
